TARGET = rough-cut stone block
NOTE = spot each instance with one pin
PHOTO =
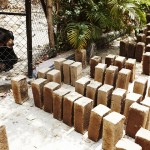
(92, 90)
(42, 73)
(80, 85)
(141, 37)
(3, 138)
(20, 89)
(142, 138)
(146, 63)
(113, 125)
(59, 65)
(149, 91)
(48, 95)
(137, 118)
(131, 50)
(82, 111)
(96, 122)
(93, 62)
(123, 48)
(37, 90)
(54, 76)
(67, 71)
(111, 75)
(130, 99)
(131, 65)
(76, 72)
(100, 72)
(117, 100)
(104, 95)
(58, 96)
(123, 79)
(147, 48)
(140, 86)
(110, 59)
(147, 40)
(140, 47)
(146, 102)
(119, 62)
(68, 107)
(126, 144)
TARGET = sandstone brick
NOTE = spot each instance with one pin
(76, 72)
(129, 100)
(3, 138)
(42, 73)
(80, 85)
(113, 125)
(110, 59)
(123, 78)
(54, 76)
(120, 62)
(141, 37)
(100, 72)
(58, 97)
(20, 89)
(147, 40)
(37, 90)
(140, 48)
(111, 75)
(123, 48)
(118, 99)
(82, 111)
(140, 86)
(142, 138)
(126, 144)
(131, 65)
(96, 122)
(104, 95)
(67, 71)
(146, 63)
(68, 107)
(137, 118)
(147, 48)
(48, 95)
(92, 90)
(93, 62)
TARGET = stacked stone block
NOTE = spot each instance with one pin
(123, 48)
(140, 48)
(146, 63)
(20, 89)
(137, 118)
(96, 122)
(82, 111)
(113, 125)
(120, 62)
(110, 59)
(42, 73)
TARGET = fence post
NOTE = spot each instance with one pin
(29, 36)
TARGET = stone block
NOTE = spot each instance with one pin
(142, 138)
(131, 49)
(123, 48)
(148, 17)
(148, 33)
(140, 86)
(48, 95)
(147, 40)
(110, 59)
(140, 48)
(80, 85)
(54, 76)
(82, 111)
(104, 95)
(141, 37)
(118, 100)
(120, 62)
(113, 125)
(131, 65)
(68, 107)
(42, 73)
(100, 72)
(37, 90)
(96, 122)
(67, 71)
(148, 26)
(149, 91)
(76, 72)
(123, 79)
(93, 62)
(147, 48)
(146, 63)
(129, 100)
(92, 90)
(111, 75)
(58, 97)
(137, 118)
(126, 144)
(20, 89)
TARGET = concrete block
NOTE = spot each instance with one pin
(146, 63)
(42, 73)
(120, 62)
(123, 48)
(110, 59)
(140, 48)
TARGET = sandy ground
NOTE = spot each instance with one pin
(30, 128)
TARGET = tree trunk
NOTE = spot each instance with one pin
(4, 3)
(50, 23)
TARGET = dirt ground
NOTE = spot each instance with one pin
(30, 128)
